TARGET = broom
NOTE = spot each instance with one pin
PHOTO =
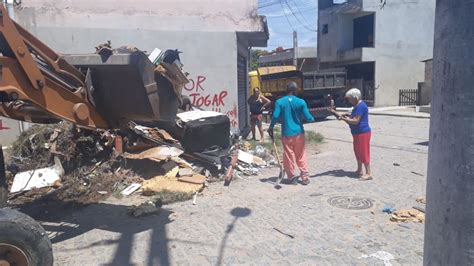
(282, 173)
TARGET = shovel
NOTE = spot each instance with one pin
(282, 173)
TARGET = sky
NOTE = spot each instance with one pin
(284, 16)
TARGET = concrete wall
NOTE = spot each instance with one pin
(328, 43)
(404, 33)
(403, 37)
(170, 15)
(205, 31)
(9, 131)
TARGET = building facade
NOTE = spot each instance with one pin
(379, 43)
(306, 58)
(214, 36)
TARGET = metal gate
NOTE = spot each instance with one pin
(409, 97)
(242, 91)
(368, 93)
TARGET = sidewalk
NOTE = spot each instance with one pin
(399, 111)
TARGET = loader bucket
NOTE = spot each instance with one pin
(125, 87)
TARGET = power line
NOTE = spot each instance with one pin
(299, 11)
(284, 12)
(268, 4)
(294, 15)
(279, 14)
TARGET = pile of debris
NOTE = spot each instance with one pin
(85, 166)
(408, 215)
(252, 159)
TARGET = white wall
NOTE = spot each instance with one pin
(205, 31)
(171, 15)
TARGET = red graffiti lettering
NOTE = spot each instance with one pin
(199, 82)
(213, 100)
(195, 85)
(233, 116)
(190, 85)
(2, 127)
(210, 101)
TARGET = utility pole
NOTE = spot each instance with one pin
(295, 48)
(449, 229)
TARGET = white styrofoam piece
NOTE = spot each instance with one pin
(196, 114)
(245, 157)
(155, 54)
(130, 189)
(38, 178)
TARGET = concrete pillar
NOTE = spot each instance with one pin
(449, 230)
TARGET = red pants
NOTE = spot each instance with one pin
(293, 150)
(362, 147)
(256, 120)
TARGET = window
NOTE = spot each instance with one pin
(325, 28)
(364, 31)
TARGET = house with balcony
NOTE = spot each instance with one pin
(380, 44)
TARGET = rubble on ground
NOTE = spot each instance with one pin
(408, 215)
(143, 159)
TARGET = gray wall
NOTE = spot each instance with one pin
(7, 136)
(403, 38)
(204, 30)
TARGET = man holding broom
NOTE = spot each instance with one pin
(290, 111)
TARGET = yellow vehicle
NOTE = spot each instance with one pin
(319, 90)
(273, 80)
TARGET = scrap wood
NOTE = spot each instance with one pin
(185, 172)
(160, 183)
(419, 209)
(194, 179)
(408, 215)
(181, 162)
(158, 154)
(421, 200)
(230, 171)
(283, 233)
(258, 161)
(172, 173)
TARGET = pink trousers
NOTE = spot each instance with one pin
(293, 151)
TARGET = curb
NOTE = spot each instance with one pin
(400, 115)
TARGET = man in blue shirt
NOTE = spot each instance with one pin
(290, 112)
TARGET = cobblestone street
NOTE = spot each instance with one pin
(251, 222)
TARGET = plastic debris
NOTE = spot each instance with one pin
(245, 157)
(144, 209)
(44, 177)
(130, 189)
(381, 255)
(388, 209)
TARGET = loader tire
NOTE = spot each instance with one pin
(23, 241)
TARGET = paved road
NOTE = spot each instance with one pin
(247, 222)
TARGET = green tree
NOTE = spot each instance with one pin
(255, 54)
